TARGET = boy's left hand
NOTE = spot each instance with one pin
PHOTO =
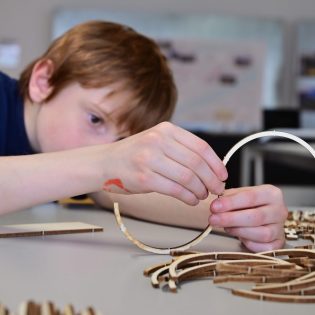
(255, 215)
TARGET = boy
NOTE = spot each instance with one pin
(101, 82)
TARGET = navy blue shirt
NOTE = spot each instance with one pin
(13, 137)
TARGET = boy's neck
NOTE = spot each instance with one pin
(30, 118)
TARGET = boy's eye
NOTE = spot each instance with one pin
(95, 120)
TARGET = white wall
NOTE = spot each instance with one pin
(29, 21)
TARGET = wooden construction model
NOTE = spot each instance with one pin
(300, 225)
(47, 308)
(285, 275)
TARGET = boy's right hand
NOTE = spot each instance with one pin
(165, 159)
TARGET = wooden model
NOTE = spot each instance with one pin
(46, 308)
(285, 275)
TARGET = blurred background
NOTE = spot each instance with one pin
(247, 65)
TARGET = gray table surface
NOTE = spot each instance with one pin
(105, 270)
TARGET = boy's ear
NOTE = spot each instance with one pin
(39, 88)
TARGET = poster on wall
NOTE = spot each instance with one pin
(306, 64)
(226, 69)
(219, 84)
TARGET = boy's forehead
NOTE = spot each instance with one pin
(111, 97)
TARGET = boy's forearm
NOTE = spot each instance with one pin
(33, 179)
(159, 208)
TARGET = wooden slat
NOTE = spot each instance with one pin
(41, 229)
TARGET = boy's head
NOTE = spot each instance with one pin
(98, 54)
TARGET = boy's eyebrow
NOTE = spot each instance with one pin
(107, 115)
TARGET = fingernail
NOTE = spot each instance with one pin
(216, 205)
(224, 175)
(206, 194)
(220, 191)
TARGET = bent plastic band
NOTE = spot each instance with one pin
(200, 237)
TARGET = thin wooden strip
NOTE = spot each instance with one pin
(309, 246)
(308, 276)
(296, 252)
(251, 278)
(47, 308)
(172, 285)
(196, 276)
(157, 250)
(274, 297)
(216, 256)
(286, 287)
(177, 253)
(307, 291)
(257, 270)
(36, 309)
(3, 310)
(40, 229)
(148, 271)
(195, 271)
(90, 311)
(69, 310)
(283, 272)
(155, 277)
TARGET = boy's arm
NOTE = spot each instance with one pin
(30, 180)
(165, 159)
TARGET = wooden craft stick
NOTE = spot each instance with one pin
(42, 229)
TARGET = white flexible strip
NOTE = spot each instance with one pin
(207, 230)
(262, 134)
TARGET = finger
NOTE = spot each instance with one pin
(262, 247)
(182, 175)
(249, 197)
(263, 234)
(197, 164)
(163, 185)
(247, 218)
(203, 149)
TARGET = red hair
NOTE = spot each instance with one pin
(98, 53)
